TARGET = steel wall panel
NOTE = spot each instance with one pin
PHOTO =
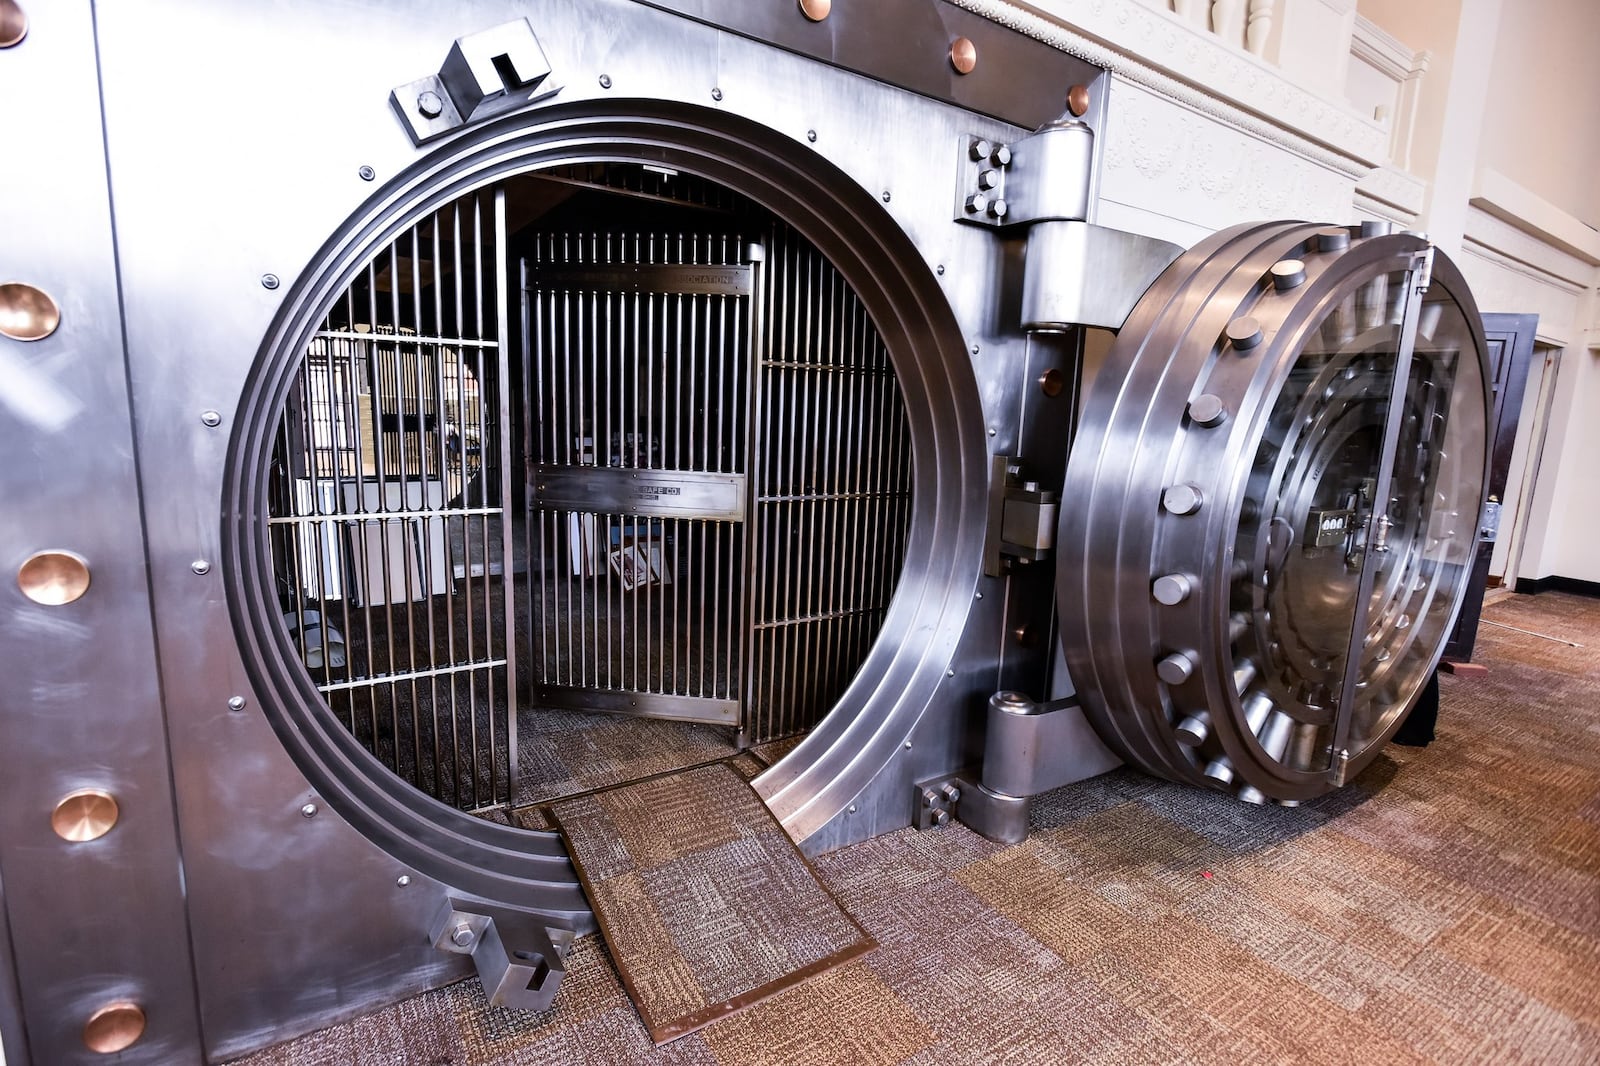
(100, 921)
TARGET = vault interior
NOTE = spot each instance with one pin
(629, 492)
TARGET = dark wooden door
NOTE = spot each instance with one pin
(1510, 340)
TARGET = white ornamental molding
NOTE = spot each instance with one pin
(1404, 194)
(1158, 50)
(1169, 159)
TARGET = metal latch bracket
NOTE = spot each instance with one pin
(485, 74)
(519, 957)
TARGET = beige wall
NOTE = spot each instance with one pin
(1541, 128)
(1424, 27)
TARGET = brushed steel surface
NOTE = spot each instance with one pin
(339, 902)
(88, 924)
(294, 157)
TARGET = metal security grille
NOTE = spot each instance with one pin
(388, 515)
(832, 492)
(683, 567)
(639, 367)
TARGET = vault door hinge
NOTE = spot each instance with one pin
(1422, 269)
(485, 74)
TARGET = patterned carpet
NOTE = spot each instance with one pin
(1445, 908)
(706, 904)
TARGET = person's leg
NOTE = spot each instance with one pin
(1417, 730)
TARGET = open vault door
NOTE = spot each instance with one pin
(1271, 506)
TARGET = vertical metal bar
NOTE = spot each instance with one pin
(450, 586)
(631, 349)
(470, 610)
(834, 441)
(755, 482)
(604, 364)
(386, 524)
(422, 525)
(535, 417)
(648, 348)
(508, 582)
(1394, 421)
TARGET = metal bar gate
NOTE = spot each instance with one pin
(640, 373)
(389, 508)
(685, 565)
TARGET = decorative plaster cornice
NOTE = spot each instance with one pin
(1202, 72)
(1401, 191)
(1385, 52)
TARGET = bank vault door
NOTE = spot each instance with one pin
(719, 477)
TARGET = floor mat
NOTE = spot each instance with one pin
(706, 904)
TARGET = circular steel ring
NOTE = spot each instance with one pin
(845, 223)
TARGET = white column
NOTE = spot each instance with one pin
(1444, 213)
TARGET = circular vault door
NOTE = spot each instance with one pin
(1270, 510)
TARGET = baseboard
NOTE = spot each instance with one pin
(1558, 584)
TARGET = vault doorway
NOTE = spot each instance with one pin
(597, 473)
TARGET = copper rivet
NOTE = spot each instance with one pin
(1078, 100)
(1052, 381)
(963, 55)
(13, 23)
(816, 10)
(27, 313)
(53, 578)
(114, 1028)
(87, 814)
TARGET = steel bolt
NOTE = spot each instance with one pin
(940, 816)
(309, 810)
(886, 196)
(462, 935)
(235, 703)
(269, 281)
(211, 418)
(951, 793)
(366, 173)
(997, 208)
(852, 808)
(811, 135)
(988, 179)
(929, 797)
(429, 105)
(605, 81)
(716, 94)
(1001, 156)
(980, 150)
(200, 566)
(977, 203)
(403, 880)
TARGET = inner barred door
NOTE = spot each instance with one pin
(719, 477)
